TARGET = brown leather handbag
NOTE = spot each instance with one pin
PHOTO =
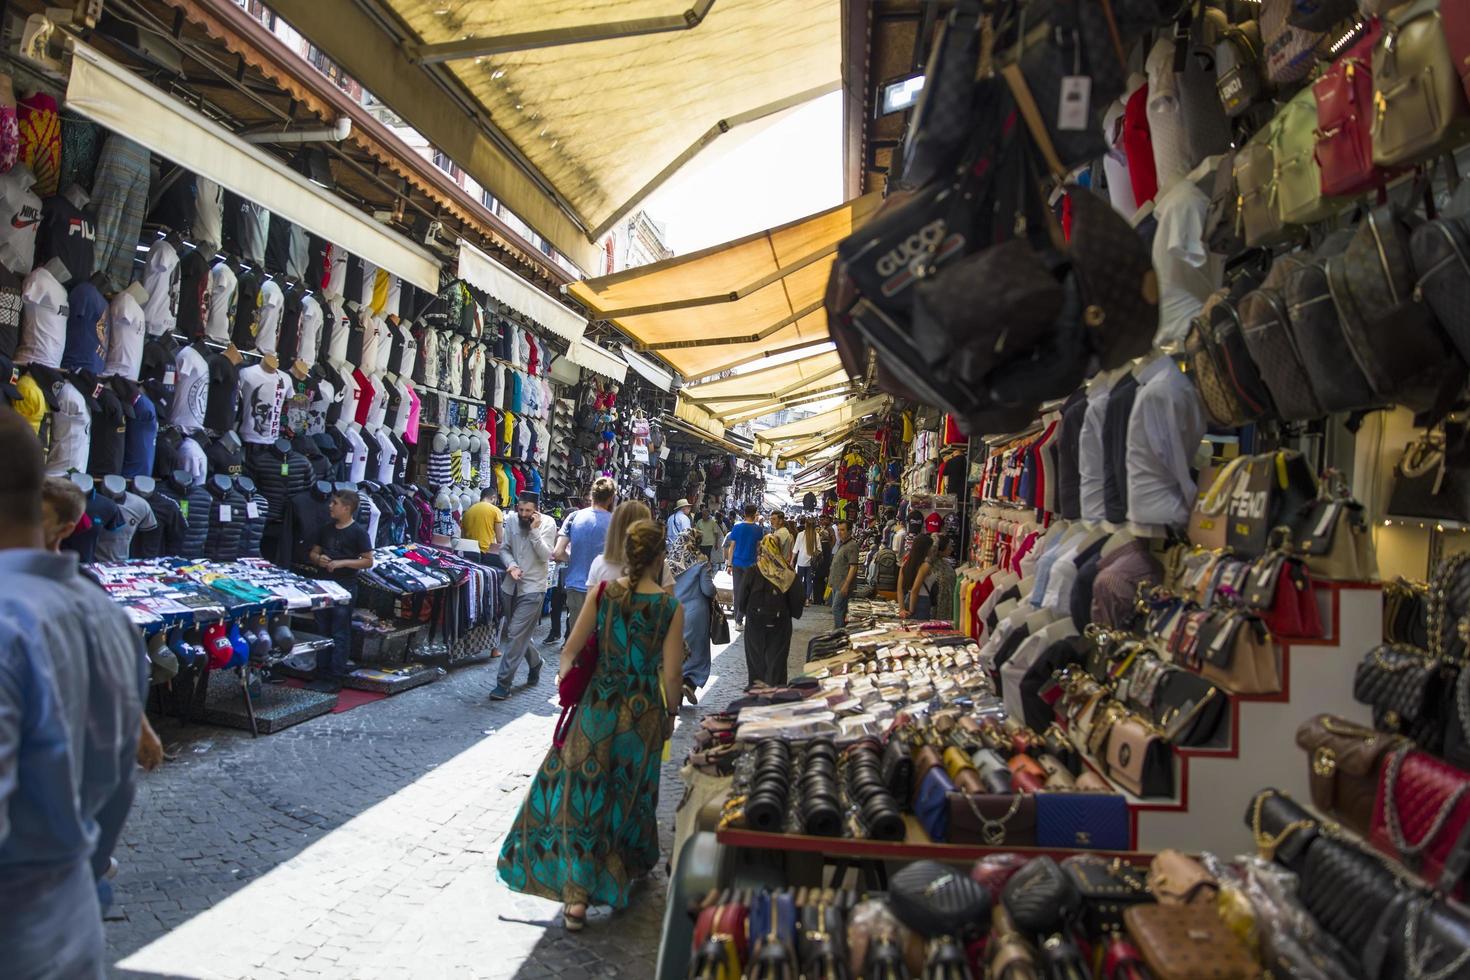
(991, 820)
(1175, 878)
(1188, 942)
(1139, 759)
(1343, 761)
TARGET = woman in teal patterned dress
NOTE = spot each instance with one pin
(587, 827)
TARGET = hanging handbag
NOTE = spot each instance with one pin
(1391, 335)
(939, 125)
(1041, 899)
(1420, 100)
(1457, 731)
(1406, 688)
(1449, 605)
(1266, 326)
(1280, 590)
(1108, 888)
(1299, 194)
(1256, 176)
(993, 821)
(1290, 50)
(1346, 890)
(1343, 760)
(1441, 252)
(572, 686)
(1272, 493)
(1219, 364)
(1187, 942)
(1222, 216)
(1406, 613)
(1237, 654)
(1281, 829)
(1431, 481)
(1337, 380)
(719, 626)
(1207, 521)
(1344, 99)
(1421, 817)
(1139, 759)
(1239, 70)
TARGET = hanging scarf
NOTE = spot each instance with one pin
(773, 564)
(683, 555)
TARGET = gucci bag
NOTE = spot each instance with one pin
(1343, 760)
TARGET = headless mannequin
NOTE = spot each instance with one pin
(144, 486)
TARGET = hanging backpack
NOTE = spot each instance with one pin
(1218, 362)
(1441, 251)
(1255, 181)
(1238, 69)
(1267, 330)
(1222, 217)
(1337, 381)
(1344, 96)
(1421, 102)
(1299, 197)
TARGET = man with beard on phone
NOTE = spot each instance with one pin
(527, 554)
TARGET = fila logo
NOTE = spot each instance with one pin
(82, 227)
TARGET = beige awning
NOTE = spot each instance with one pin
(824, 422)
(761, 392)
(571, 112)
(803, 451)
(731, 304)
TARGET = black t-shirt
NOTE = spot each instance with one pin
(69, 232)
(221, 398)
(247, 295)
(225, 460)
(343, 542)
(193, 283)
(109, 434)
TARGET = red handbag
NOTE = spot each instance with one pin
(1454, 19)
(1280, 590)
(1345, 111)
(573, 684)
(1421, 817)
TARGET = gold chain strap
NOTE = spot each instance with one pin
(1266, 845)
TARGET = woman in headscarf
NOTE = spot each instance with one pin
(769, 602)
(694, 587)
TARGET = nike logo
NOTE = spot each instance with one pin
(18, 222)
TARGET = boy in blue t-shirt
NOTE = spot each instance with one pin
(741, 547)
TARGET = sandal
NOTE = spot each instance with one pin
(574, 921)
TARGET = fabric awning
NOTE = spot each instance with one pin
(659, 377)
(756, 393)
(688, 412)
(824, 422)
(484, 272)
(572, 111)
(731, 304)
(586, 354)
(106, 92)
(805, 450)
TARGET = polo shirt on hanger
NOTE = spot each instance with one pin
(387, 457)
(86, 329)
(126, 329)
(1090, 461)
(269, 304)
(42, 320)
(408, 360)
(335, 262)
(366, 392)
(262, 394)
(337, 327)
(220, 300)
(161, 279)
(109, 427)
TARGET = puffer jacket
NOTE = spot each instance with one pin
(254, 527)
(194, 505)
(222, 536)
(277, 478)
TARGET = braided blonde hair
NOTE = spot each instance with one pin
(628, 513)
(644, 547)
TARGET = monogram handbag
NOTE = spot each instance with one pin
(1343, 760)
(1337, 380)
(994, 821)
(1139, 759)
(1236, 653)
(1272, 493)
(939, 126)
(1406, 688)
(1344, 96)
(1267, 330)
(1299, 194)
(1108, 888)
(1281, 829)
(1441, 251)
(1083, 820)
(1432, 478)
(1420, 100)
(1391, 335)
(1279, 588)
(1188, 942)
(1218, 363)
(1291, 50)
(1422, 815)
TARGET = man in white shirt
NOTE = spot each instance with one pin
(527, 553)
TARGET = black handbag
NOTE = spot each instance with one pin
(898, 770)
(1108, 888)
(1337, 380)
(1266, 326)
(1040, 898)
(934, 900)
(1449, 604)
(1441, 251)
(1281, 829)
(1406, 689)
(1189, 708)
(719, 626)
(1432, 479)
(1273, 492)
(1457, 731)
(1239, 67)
(1346, 890)
(941, 121)
(1415, 938)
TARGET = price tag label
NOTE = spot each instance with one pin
(1329, 514)
(168, 377)
(251, 511)
(1075, 99)
(285, 469)
(224, 513)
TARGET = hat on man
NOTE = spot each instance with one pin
(682, 503)
(528, 497)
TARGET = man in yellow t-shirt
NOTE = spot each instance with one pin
(485, 523)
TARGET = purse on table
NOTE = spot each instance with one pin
(1418, 937)
(934, 900)
(1343, 760)
(1422, 817)
(1108, 888)
(1084, 819)
(1188, 942)
(994, 821)
(1175, 878)
(1406, 688)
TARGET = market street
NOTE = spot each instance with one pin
(364, 843)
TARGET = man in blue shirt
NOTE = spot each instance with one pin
(73, 672)
(582, 538)
(679, 522)
(742, 545)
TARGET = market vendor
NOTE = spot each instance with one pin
(342, 550)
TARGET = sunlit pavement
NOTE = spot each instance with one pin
(364, 844)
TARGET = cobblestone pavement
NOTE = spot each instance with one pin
(364, 844)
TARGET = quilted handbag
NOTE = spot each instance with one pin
(1346, 890)
(1188, 942)
(1108, 888)
(1421, 816)
(1441, 252)
(1343, 760)
(1281, 591)
(1418, 936)
(1420, 100)
(1268, 334)
(931, 804)
(1083, 821)
(1457, 731)
(1337, 380)
(1393, 338)
(1256, 183)
(1239, 70)
(1344, 97)
(1290, 51)
(1237, 654)
(1406, 688)
(995, 821)
(1041, 899)
(1281, 829)
(1432, 478)
(1139, 759)
(1272, 492)
(934, 899)
(1222, 216)
(1406, 613)
(1449, 604)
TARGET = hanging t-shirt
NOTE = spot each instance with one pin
(86, 329)
(334, 260)
(10, 310)
(1172, 161)
(69, 233)
(366, 392)
(1115, 161)
(1188, 271)
(20, 220)
(161, 279)
(387, 457)
(208, 214)
(262, 393)
(337, 327)
(220, 299)
(191, 387)
(125, 334)
(142, 436)
(252, 228)
(71, 432)
(357, 465)
(193, 294)
(410, 347)
(42, 320)
(109, 427)
(269, 303)
(223, 399)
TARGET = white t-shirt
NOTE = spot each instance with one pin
(20, 219)
(191, 390)
(357, 466)
(601, 571)
(387, 457)
(262, 393)
(209, 203)
(351, 394)
(125, 333)
(316, 415)
(161, 279)
(43, 315)
(71, 432)
(336, 263)
(1165, 118)
(410, 350)
(220, 301)
(378, 410)
(802, 555)
(337, 327)
(1188, 271)
(269, 303)
(252, 231)
(372, 337)
(310, 335)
